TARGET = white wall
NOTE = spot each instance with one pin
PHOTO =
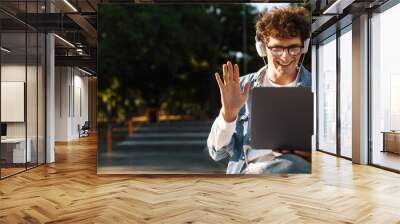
(33, 126)
(71, 94)
(61, 103)
(12, 73)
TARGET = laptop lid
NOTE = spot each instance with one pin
(281, 118)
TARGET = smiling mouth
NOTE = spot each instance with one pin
(284, 65)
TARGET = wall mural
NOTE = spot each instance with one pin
(164, 75)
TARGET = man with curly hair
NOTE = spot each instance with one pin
(282, 33)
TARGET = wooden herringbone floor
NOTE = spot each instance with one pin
(69, 191)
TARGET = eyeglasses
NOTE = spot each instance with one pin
(293, 50)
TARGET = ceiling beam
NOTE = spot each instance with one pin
(82, 61)
(86, 27)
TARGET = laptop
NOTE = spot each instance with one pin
(281, 118)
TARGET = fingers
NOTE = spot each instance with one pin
(230, 71)
(219, 81)
(236, 73)
(302, 153)
(246, 89)
(283, 151)
(226, 73)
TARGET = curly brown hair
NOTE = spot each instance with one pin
(283, 23)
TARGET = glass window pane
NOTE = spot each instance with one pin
(31, 88)
(31, 97)
(41, 98)
(23, 85)
(327, 96)
(14, 153)
(346, 94)
(385, 89)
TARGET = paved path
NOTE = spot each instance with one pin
(175, 147)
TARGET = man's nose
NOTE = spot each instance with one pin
(285, 55)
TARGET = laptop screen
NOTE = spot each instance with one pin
(281, 118)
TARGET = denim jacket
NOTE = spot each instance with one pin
(241, 136)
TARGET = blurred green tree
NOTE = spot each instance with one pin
(165, 56)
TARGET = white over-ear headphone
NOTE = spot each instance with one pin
(262, 49)
(305, 46)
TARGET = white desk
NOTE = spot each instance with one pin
(18, 149)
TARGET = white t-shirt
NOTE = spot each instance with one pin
(267, 82)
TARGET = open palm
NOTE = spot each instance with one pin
(232, 96)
